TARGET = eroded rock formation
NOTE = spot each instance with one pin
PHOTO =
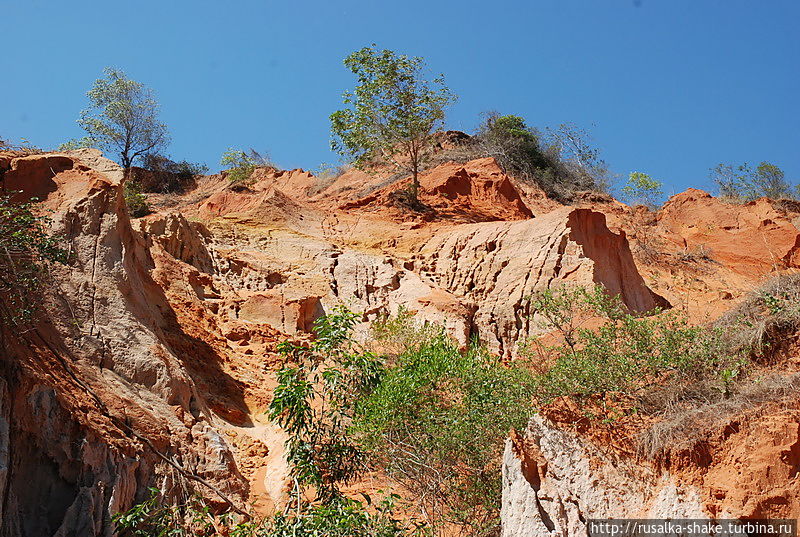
(158, 339)
(740, 466)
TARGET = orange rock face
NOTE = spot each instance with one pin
(753, 239)
(160, 336)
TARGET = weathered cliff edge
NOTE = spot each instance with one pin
(100, 384)
(152, 359)
(744, 466)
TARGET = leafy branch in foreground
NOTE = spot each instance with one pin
(313, 403)
(26, 246)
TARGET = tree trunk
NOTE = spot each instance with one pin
(414, 191)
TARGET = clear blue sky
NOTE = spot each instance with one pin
(668, 87)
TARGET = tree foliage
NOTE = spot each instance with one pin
(392, 113)
(625, 354)
(641, 188)
(743, 183)
(77, 143)
(436, 423)
(314, 399)
(242, 164)
(123, 118)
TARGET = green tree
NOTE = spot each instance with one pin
(123, 117)
(641, 188)
(746, 184)
(392, 113)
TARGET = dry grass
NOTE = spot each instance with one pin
(759, 330)
(326, 177)
(685, 430)
(761, 323)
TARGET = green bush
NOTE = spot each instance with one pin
(436, 423)
(135, 200)
(169, 175)
(341, 517)
(514, 144)
(160, 163)
(625, 354)
(643, 189)
(743, 183)
(242, 164)
(561, 161)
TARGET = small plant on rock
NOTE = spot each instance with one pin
(242, 164)
(135, 199)
(643, 189)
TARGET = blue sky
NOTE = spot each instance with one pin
(667, 87)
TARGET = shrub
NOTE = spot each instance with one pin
(762, 328)
(513, 144)
(341, 517)
(26, 247)
(169, 175)
(77, 143)
(625, 354)
(436, 423)
(396, 334)
(135, 200)
(561, 161)
(242, 164)
(743, 183)
(643, 189)
(765, 318)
